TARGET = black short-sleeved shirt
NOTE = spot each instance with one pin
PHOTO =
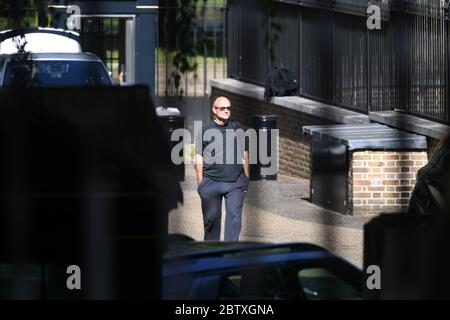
(215, 163)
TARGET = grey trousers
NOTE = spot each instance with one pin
(211, 193)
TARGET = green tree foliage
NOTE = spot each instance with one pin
(184, 59)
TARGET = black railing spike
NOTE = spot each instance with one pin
(332, 3)
(446, 8)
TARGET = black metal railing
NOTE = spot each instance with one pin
(339, 60)
(354, 7)
(431, 8)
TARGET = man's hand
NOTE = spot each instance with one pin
(245, 163)
(199, 168)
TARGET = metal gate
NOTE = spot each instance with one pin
(105, 37)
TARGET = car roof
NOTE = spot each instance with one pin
(187, 257)
(224, 263)
(315, 259)
(39, 40)
(55, 56)
(197, 249)
(5, 34)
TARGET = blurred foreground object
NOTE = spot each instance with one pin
(86, 180)
(412, 249)
(428, 196)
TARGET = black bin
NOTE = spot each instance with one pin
(265, 123)
(169, 124)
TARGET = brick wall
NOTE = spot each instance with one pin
(378, 181)
(383, 181)
(294, 146)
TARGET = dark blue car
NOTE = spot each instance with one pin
(248, 270)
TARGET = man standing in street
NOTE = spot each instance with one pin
(222, 168)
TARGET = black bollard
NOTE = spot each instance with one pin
(263, 124)
(170, 123)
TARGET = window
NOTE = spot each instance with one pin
(177, 287)
(56, 73)
(321, 284)
(251, 284)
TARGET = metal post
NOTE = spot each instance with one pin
(368, 91)
(300, 48)
(195, 78)
(215, 39)
(240, 40)
(269, 62)
(166, 48)
(224, 37)
(205, 57)
(333, 53)
(444, 45)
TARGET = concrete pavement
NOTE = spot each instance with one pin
(276, 211)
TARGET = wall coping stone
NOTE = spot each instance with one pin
(410, 123)
(368, 136)
(307, 106)
(394, 119)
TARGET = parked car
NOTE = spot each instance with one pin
(48, 57)
(432, 185)
(53, 70)
(249, 270)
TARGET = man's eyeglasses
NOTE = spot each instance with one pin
(223, 108)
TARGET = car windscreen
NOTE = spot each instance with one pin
(46, 73)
